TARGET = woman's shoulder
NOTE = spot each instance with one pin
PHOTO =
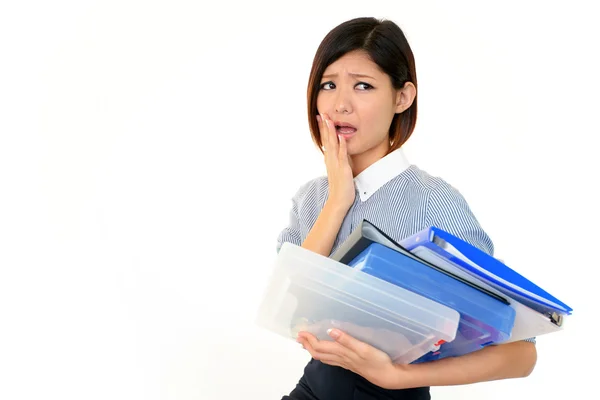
(426, 181)
(448, 209)
(311, 191)
(438, 192)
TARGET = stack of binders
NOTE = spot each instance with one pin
(496, 304)
(428, 297)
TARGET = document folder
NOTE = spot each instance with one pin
(479, 264)
(367, 233)
(485, 317)
(532, 319)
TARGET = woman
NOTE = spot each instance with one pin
(362, 107)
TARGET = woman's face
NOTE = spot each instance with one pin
(361, 101)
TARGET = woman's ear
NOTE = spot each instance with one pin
(405, 97)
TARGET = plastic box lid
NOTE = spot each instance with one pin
(312, 293)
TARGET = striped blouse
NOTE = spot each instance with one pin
(398, 197)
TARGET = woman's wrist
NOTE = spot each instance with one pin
(336, 208)
(325, 230)
(408, 376)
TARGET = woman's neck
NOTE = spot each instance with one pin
(362, 161)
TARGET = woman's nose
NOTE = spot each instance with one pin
(342, 102)
(341, 109)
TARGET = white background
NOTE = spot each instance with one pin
(149, 151)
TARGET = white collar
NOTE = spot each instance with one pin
(380, 172)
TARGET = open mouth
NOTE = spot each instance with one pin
(344, 128)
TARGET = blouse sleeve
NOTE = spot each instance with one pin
(291, 233)
(448, 210)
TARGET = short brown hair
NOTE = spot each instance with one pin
(387, 47)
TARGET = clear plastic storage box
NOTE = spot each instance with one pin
(310, 292)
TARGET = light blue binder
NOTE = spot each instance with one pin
(486, 317)
(484, 320)
(487, 268)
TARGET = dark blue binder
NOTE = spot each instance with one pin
(487, 268)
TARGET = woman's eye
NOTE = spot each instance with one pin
(361, 86)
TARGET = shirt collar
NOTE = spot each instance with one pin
(380, 172)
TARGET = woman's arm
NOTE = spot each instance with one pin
(322, 236)
(341, 195)
(504, 361)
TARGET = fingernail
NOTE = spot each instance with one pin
(333, 334)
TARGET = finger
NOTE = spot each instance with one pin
(328, 347)
(308, 347)
(306, 336)
(343, 152)
(326, 357)
(326, 137)
(322, 131)
(353, 345)
(332, 139)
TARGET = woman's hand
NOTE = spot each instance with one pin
(361, 358)
(337, 161)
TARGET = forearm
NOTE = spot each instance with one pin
(511, 360)
(322, 236)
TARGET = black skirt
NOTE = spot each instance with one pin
(325, 382)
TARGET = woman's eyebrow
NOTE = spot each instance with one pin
(351, 74)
